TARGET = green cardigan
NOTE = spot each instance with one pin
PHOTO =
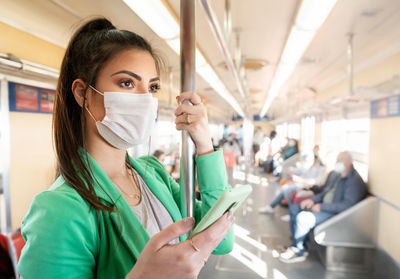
(64, 238)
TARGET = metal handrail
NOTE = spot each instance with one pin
(188, 83)
(354, 227)
(212, 20)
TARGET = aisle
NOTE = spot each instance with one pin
(257, 235)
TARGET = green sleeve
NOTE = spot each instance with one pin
(212, 182)
(59, 231)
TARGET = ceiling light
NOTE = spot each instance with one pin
(310, 17)
(159, 19)
(175, 44)
(10, 61)
(156, 16)
(296, 45)
(208, 74)
(312, 13)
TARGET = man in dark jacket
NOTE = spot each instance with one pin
(341, 194)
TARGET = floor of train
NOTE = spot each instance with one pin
(258, 235)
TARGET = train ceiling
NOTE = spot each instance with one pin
(261, 27)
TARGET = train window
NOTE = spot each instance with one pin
(347, 134)
(294, 131)
(216, 131)
(307, 133)
(281, 131)
(167, 136)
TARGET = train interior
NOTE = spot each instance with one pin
(320, 73)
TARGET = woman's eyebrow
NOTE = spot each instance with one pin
(132, 74)
(154, 79)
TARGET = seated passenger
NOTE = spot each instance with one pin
(160, 155)
(232, 146)
(341, 194)
(268, 149)
(291, 149)
(301, 167)
(306, 180)
(309, 190)
(287, 152)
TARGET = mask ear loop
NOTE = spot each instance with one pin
(90, 114)
(102, 94)
(97, 91)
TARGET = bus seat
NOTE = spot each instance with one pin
(346, 242)
(16, 243)
(6, 266)
(230, 159)
(4, 242)
(287, 164)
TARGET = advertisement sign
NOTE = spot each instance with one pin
(387, 107)
(47, 100)
(26, 98)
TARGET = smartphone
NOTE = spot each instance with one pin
(230, 200)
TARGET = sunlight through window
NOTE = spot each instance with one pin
(250, 260)
(244, 234)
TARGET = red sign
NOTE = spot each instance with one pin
(382, 108)
(47, 100)
(26, 97)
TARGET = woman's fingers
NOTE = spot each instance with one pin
(186, 119)
(193, 118)
(173, 231)
(190, 96)
(209, 239)
(186, 108)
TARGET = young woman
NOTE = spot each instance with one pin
(108, 215)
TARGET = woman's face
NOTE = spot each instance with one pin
(131, 71)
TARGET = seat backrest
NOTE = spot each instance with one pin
(230, 159)
(4, 242)
(354, 227)
(6, 265)
(16, 243)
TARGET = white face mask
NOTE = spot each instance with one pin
(339, 168)
(129, 118)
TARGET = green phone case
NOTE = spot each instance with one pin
(230, 199)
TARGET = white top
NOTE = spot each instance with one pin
(151, 212)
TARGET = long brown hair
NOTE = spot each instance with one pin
(90, 48)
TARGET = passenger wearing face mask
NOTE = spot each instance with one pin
(109, 215)
(306, 179)
(291, 149)
(341, 194)
(288, 151)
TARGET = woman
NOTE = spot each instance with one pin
(108, 215)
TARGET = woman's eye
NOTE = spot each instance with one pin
(126, 84)
(154, 88)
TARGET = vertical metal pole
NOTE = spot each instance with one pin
(5, 155)
(170, 85)
(238, 52)
(170, 89)
(188, 83)
(228, 23)
(350, 61)
(248, 131)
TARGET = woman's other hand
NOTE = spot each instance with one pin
(194, 120)
(159, 259)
